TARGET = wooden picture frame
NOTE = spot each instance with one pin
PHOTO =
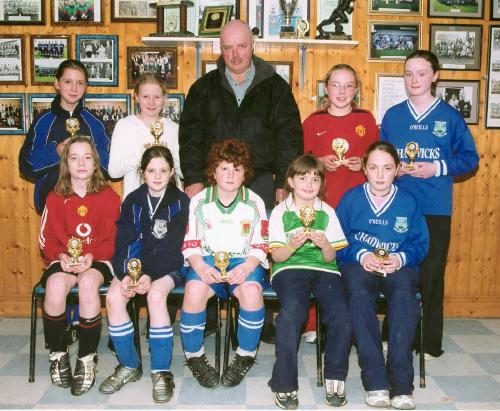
(492, 114)
(28, 12)
(466, 9)
(213, 20)
(392, 41)
(273, 17)
(201, 4)
(133, 10)
(174, 104)
(38, 103)
(47, 53)
(208, 65)
(99, 53)
(14, 120)
(284, 69)
(494, 9)
(403, 8)
(110, 108)
(390, 90)
(462, 95)
(446, 39)
(159, 60)
(255, 15)
(12, 59)
(72, 13)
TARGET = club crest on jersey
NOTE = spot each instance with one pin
(82, 211)
(246, 225)
(401, 225)
(439, 128)
(160, 228)
(360, 130)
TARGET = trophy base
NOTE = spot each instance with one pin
(73, 264)
(342, 162)
(409, 167)
(287, 32)
(380, 273)
(223, 279)
(334, 36)
(131, 286)
(173, 34)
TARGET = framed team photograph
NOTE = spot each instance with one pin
(12, 113)
(38, 103)
(133, 10)
(457, 47)
(99, 53)
(255, 16)
(494, 9)
(322, 96)
(274, 18)
(159, 60)
(390, 90)
(492, 117)
(174, 103)
(12, 54)
(284, 69)
(462, 95)
(467, 9)
(47, 52)
(22, 12)
(403, 7)
(77, 12)
(392, 40)
(109, 108)
(208, 65)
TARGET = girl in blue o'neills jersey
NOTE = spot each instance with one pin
(304, 264)
(380, 215)
(446, 149)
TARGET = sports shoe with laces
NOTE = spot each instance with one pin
(287, 400)
(378, 398)
(163, 386)
(204, 373)
(335, 393)
(403, 402)
(60, 369)
(84, 377)
(119, 378)
(237, 370)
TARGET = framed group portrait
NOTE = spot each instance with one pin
(47, 52)
(458, 47)
(159, 60)
(174, 103)
(12, 113)
(109, 108)
(77, 12)
(99, 53)
(133, 10)
(462, 95)
(403, 7)
(392, 40)
(469, 9)
(390, 90)
(12, 52)
(38, 103)
(492, 117)
(494, 9)
(22, 12)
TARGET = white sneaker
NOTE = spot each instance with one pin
(378, 398)
(403, 402)
(385, 346)
(310, 337)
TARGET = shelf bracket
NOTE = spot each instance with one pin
(303, 61)
(197, 53)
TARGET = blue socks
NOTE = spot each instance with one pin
(123, 340)
(249, 327)
(161, 342)
(192, 331)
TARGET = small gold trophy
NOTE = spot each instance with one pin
(307, 215)
(75, 248)
(340, 147)
(72, 126)
(221, 261)
(134, 267)
(156, 131)
(381, 255)
(411, 151)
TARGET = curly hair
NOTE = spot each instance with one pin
(230, 151)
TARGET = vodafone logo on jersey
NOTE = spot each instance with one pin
(83, 229)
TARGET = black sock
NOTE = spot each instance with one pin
(54, 330)
(90, 331)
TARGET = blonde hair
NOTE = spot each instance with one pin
(149, 78)
(338, 67)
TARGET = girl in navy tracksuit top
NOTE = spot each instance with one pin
(151, 228)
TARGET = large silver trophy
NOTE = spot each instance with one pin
(287, 31)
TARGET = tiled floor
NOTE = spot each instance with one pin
(467, 376)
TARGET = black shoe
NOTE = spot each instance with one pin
(163, 386)
(204, 373)
(287, 400)
(237, 370)
(60, 369)
(84, 377)
(335, 393)
(210, 327)
(267, 334)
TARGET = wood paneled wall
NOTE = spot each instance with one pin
(472, 277)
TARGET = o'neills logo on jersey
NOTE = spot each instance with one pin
(401, 224)
(422, 127)
(360, 130)
(439, 128)
(246, 226)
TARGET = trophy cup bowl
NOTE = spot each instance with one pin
(307, 215)
(156, 131)
(75, 248)
(381, 255)
(411, 151)
(72, 126)
(287, 7)
(221, 261)
(134, 268)
(340, 147)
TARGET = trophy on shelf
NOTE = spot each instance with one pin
(307, 215)
(72, 126)
(340, 147)
(156, 131)
(221, 261)
(337, 18)
(411, 151)
(75, 248)
(171, 20)
(287, 7)
(381, 255)
(134, 268)
(302, 29)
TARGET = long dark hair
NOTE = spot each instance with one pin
(157, 151)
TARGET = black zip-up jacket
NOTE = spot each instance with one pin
(267, 119)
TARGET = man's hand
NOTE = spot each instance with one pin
(193, 189)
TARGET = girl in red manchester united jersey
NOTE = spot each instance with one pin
(82, 208)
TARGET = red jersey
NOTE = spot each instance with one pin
(358, 127)
(91, 218)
